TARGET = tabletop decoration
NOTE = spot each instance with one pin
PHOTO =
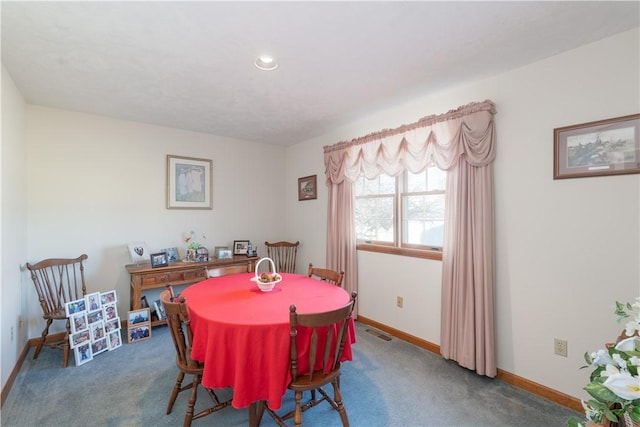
(266, 281)
(614, 384)
(196, 252)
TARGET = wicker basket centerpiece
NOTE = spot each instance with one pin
(267, 280)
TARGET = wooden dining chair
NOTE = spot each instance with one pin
(179, 325)
(229, 269)
(326, 275)
(57, 281)
(330, 328)
(283, 255)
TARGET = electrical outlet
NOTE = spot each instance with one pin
(399, 302)
(560, 347)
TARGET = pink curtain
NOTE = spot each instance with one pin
(341, 236)
(462, 142)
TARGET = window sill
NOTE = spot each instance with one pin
(415, 253)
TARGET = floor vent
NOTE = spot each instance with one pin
(378, 334)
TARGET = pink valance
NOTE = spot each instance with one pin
(438, 139)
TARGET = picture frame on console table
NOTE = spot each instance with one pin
(159, 259)
(600, 148)
(240, 247)
(189, 183)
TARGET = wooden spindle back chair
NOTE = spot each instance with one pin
(326, 275)
(283, 255)
(57, 282)
(179, 326)
(328, 333)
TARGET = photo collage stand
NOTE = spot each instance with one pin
(95, 325)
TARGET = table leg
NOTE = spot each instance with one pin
(256, 410)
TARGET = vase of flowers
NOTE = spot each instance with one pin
(614, 384)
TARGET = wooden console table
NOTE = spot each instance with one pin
(144, 277)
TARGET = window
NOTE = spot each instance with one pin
(402, 215)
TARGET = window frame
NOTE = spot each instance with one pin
(397, 247)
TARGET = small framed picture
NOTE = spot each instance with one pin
(225, 254)
(94, 317)
(108, 297)
(83, 353)
(93, 301)
(112, 325)
(139, 333)
(240, 247)
(110, 311)
(114, 339)
(139, 252)
(78, 322)
(217, 249)
(79, 338)
(139, 316)
(307, 188)
(604, 147)
(73, 307)
(172, 254)
(97, 331)
(157, 304)
(99, 346)
(159, 259)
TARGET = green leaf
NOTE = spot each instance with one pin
(601, 393)
(635, 414)
(575, 422)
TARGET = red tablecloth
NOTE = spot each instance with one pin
(242, 334)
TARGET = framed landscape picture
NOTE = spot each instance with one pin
(307, 188)
(604, 147)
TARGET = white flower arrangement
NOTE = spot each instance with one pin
(614, 383)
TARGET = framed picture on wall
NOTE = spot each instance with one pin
(189, 183)
(307, 188)
(604, 147)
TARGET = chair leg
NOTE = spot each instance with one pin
(192, 401)
(338, 399)
(176, 390)
(297, 418)
(45, 332)
(65, 345)
(65, 353)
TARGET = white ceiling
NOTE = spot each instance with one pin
(189, 65)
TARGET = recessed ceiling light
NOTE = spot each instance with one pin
(266, 63)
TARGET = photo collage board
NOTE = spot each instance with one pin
(95, 325)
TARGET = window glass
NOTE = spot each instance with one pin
(374, 213)
(407, 211)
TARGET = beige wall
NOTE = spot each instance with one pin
(96, 184)
(13, 224)
(566, 249)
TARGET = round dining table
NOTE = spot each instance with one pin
(243, 335)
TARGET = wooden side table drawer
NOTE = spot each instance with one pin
(187, 276)
(155, 279)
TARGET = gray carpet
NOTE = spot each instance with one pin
(389, 383)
